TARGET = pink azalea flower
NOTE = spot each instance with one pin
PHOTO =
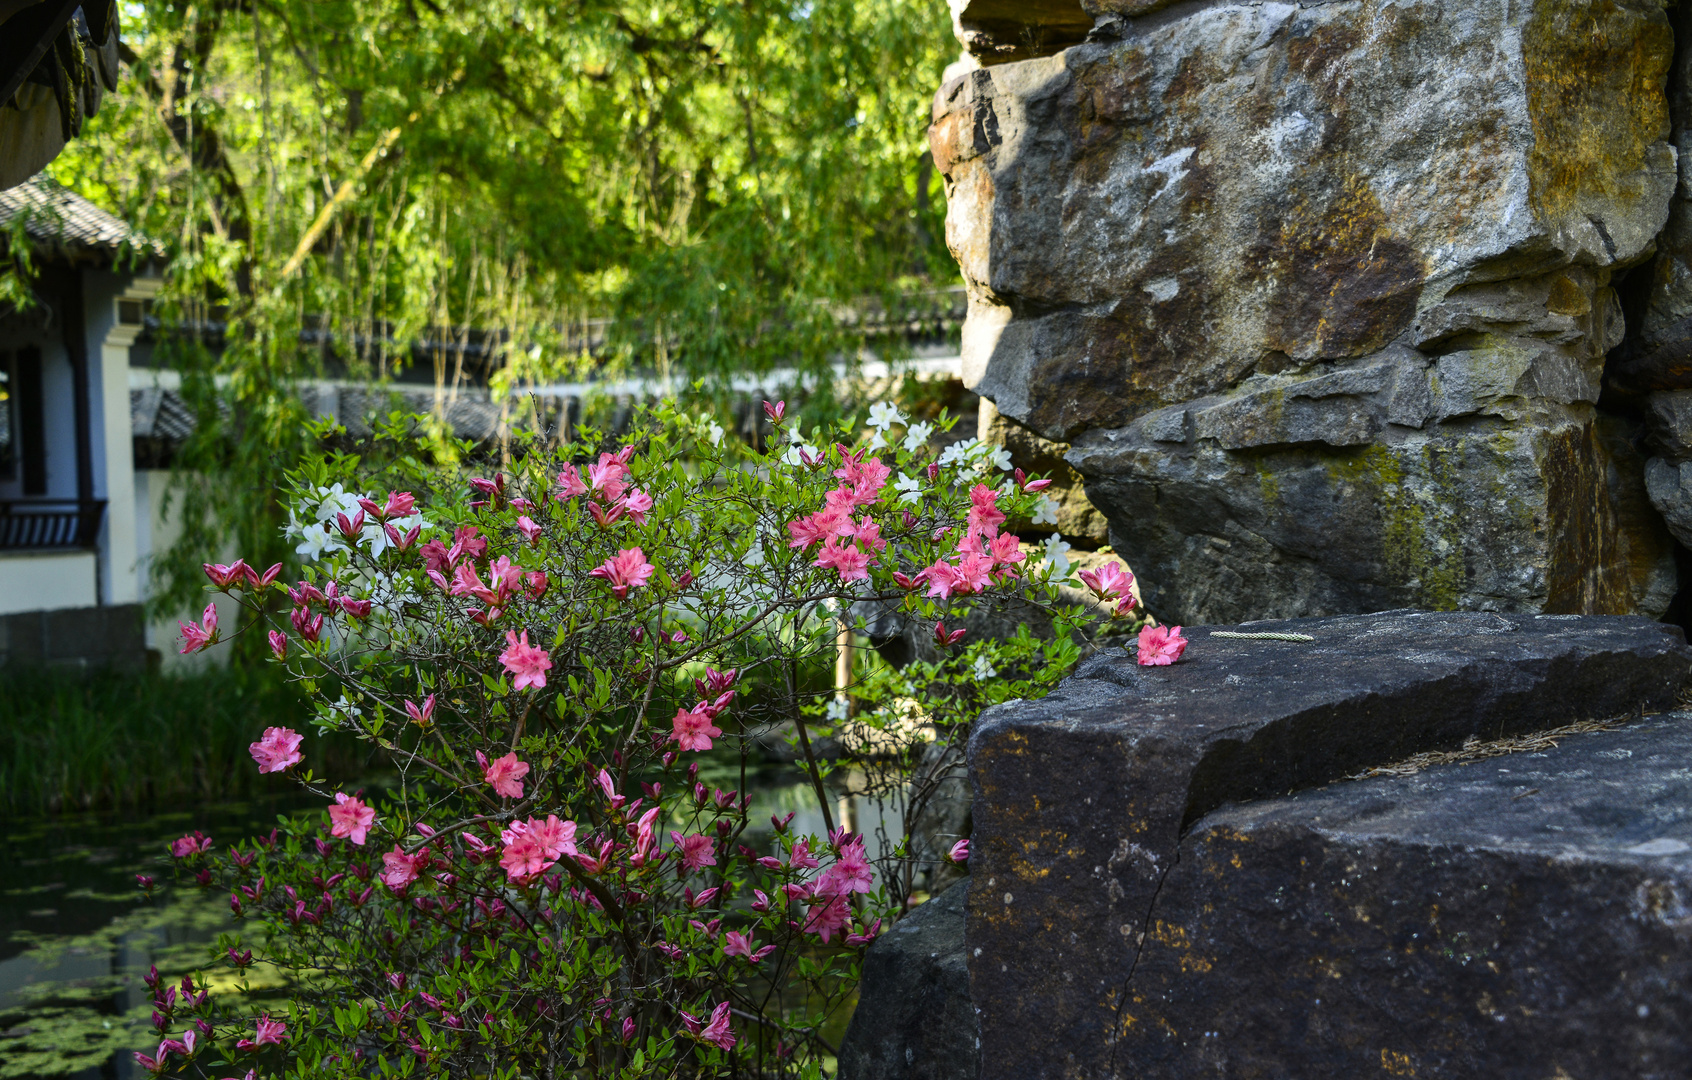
(400, 869)
(693, 730)
(527, 662)
(696, 850)
(852, 564)
(868, 534)
(526, 525)
(959, 852)
(278, 749)
(606, 477)
(849, 874)
(818, 526)
(973, 574)
(466, 582)
(1160, 647)
(421, 715)
(155, 1065)
(627, 570)
(736, 943)
(279, 644)
(800, 856)
(536, 583)
(192, 844)
(351, 818)
(717, 1032)
(532, 847)
(775, 412)
(570, 484)
(202, 635)
(643, 838)
(985, 517)
(637, 503)
(864, 475)
(1108, 581)
(505, 774)
(506, 577)
(829, 917)
(224, 576)
(942, 578)
(1006, 550)
(947, 638)
(270, 1033)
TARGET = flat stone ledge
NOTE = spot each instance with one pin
(1081, 798)
(1525, 917)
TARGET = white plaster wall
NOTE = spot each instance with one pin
(110, 440)
(46, 581)
(155, 533)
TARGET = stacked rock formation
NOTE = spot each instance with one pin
(1340, 307)
(1174, 874)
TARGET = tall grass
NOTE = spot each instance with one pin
(74, 741)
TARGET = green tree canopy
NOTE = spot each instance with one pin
(715, 179)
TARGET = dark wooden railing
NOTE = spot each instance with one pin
(49, 523)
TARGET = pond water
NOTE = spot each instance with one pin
(76, 935)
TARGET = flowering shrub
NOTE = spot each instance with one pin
(547, 658)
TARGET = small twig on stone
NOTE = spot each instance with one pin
(1475, 750)
(1265, 636)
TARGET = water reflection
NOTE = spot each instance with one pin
(76, 935)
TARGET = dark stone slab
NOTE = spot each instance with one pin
(914, 1020)
(89, 637)
(1522, 918)
(1080, 799)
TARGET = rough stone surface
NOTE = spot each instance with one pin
(914, 1020)
(1073, 514)
(1520, 918)
(1081, 798)
(1327, 291)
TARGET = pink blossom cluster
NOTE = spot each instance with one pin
(849, 544)
(608, 484)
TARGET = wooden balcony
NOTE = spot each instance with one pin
(46, 524)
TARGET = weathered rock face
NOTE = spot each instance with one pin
(1321, 296)
(1082, 799)
(1518, 919)
(914, 1020)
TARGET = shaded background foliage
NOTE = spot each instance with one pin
(694, 189)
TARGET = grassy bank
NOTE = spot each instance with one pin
(73, 741)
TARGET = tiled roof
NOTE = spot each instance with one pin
(55, 215)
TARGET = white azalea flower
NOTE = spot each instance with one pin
(883, 415)
(1001, 457)
(983, 669)
(916, 436)
(336, 500)
(1057, 555)
(837, 709)
(318, 541)
(876, 443)
(1046, 512)
(958, 451)
(911, 488)
(714, 432)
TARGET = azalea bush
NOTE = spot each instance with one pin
(547, 656)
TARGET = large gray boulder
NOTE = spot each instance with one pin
(1320, 296)
(914, 1020)
(1084, 800)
